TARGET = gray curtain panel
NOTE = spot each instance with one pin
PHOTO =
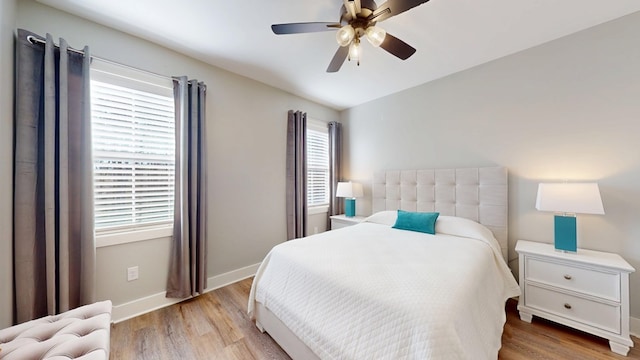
(188, 259)
(296, 175)
(336, 206)
(54, 242)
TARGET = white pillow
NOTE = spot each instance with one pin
(383, 217)
(462, 227)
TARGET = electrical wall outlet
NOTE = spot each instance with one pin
(132, 273)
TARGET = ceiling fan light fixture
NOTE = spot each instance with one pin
(375, 35)
(357, 19)
(345, 35)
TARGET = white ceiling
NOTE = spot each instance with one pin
(450, 36)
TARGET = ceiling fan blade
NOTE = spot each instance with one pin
(298, 28)
(338, 59)
(397, 47)
(393, 8)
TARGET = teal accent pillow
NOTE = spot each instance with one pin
(417, 221)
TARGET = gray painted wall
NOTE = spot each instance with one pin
(246, 134)
(568, 109)
(317, 223)
(7, 24)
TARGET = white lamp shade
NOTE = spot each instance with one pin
(349, 190)
(576, 198)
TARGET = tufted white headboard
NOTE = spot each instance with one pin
(479, 194)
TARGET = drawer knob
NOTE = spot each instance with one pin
(568, 277)
(567, 306)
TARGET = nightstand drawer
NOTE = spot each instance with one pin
(593, 282)
(596, 314)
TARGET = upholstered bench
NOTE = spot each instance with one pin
(81, 333)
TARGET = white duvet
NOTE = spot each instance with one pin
(373, 292)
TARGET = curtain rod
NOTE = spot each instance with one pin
(34, 40)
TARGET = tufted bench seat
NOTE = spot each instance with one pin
(81, 333)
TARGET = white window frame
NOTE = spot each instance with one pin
(319, 126)
(120, 75)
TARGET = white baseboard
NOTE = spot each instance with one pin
(156, 301)
(634, 327)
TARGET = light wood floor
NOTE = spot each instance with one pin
(216, 326)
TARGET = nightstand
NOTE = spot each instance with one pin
(587, 290)
(340, 221)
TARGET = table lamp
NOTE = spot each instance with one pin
(349, 191)
(567, 200)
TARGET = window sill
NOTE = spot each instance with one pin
(313, 210)
(130, 236)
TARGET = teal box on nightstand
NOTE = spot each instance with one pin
(350, 207)
(565, 233)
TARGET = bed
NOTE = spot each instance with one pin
(373, 291)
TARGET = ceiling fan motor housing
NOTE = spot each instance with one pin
(367, 7)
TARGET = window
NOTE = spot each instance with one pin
(133, 148)
(317, 164)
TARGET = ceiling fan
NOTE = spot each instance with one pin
(358, 18)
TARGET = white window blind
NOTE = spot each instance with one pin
(317, 165)
(134, 155)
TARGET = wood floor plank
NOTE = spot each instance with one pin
(237, 351)
(216, 326)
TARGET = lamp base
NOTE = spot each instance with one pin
(349, 207)
(565, 238)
